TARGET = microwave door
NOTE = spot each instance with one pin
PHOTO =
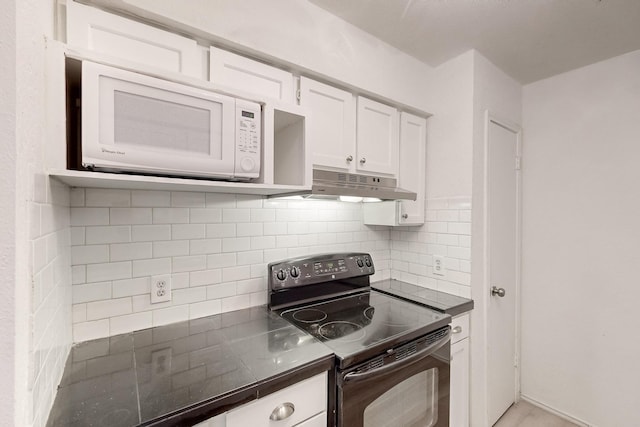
(142, 124)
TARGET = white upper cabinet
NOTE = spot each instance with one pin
(411, 177)
(377, 138)
(331, 124)
(239, 72)
(111, 35)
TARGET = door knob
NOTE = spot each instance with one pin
(498, 291)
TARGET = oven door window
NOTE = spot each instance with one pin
(413, 402)
(414, 393)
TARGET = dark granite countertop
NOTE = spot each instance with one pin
(439, 301)
(184, 372)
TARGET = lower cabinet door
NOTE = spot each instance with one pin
(284, 408)
(459, 391)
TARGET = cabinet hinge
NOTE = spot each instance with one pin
(298, 94)
(518, 163)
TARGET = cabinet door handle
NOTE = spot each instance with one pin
(456, 330)
(405, 216)
(282, 411)
(363, 160)
(349, 159)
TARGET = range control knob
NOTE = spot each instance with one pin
(295, 272)
(368, 262)
(281, 275)
(360, 263)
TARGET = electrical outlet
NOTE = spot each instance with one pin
(438, 265)
(160, 288)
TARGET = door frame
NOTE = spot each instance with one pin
(489, 118)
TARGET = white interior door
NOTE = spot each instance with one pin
(503, 187)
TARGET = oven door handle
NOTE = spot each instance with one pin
(398, 364)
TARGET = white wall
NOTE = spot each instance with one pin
(580, 244)
(41, 308)
(8, 50)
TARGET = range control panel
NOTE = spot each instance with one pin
(318, 269)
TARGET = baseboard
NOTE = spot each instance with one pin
(555, 411)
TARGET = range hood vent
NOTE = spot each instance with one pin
(330, 184)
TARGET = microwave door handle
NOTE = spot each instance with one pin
(352, 377)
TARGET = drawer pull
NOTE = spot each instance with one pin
(456, 330)
(282, 412)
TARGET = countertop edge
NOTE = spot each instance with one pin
(224, 403)
(452, 311)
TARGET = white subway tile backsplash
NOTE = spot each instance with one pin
(106, 197)
(108, 308)
(108, 271)
(78, 313)
(263, 215)
(221, 260)
(91, 292)
(205, 277)
(89, 254)
(230, 274)
(236, 244)
(148, 233)
(222, 290)
(151, 267)
(187, 200)
(236, 215)
(86, 331)
(221, 230)
(214, 246)
(189, 295)
(237, 302)
(130, 251)
(220, 200)
(250, 229)
(205, 216)
(129, 322)
(204, 308)
(205, 246)
(129, 287)
(119, 216)
(76, 197)
(107, 234)
(89, 216)
(447, 232)
(144, 198)
(168, 315)
(170, 215)
(189, 263)
(170, 248)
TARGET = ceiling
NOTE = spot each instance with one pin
(528, 39)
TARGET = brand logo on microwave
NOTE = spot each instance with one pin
(104, 150)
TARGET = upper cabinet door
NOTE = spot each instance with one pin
(331, 124)
(245, 74)
(411, 176)
(104, 33)
(378, 137)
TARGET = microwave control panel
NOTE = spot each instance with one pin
(248, 139)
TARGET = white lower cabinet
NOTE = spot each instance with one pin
(303, 404)
(459, 390)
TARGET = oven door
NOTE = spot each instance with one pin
(407, 387)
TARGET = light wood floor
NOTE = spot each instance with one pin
(524, 414)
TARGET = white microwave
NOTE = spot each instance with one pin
(136, 123)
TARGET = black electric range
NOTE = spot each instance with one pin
(371, 333)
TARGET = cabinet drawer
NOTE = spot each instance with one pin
(309, 397)
(459, 328)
